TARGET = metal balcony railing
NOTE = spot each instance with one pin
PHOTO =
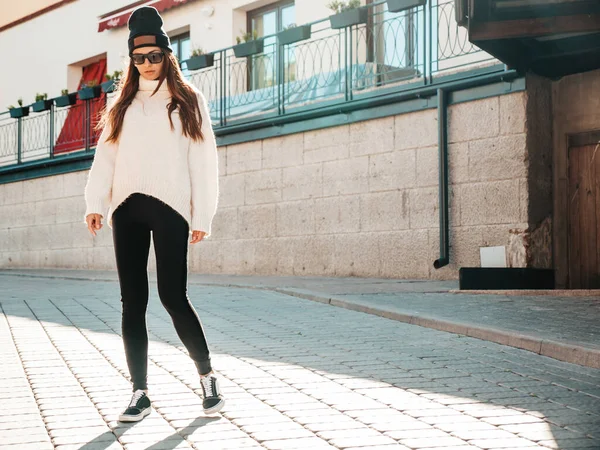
(391, 52)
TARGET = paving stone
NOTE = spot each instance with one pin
(503, 443)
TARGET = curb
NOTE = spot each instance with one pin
(571, 353)
(567, 352)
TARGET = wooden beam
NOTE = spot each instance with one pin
(527, 28)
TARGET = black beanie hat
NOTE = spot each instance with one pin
(145, 29)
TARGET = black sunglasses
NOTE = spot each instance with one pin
(153, 58)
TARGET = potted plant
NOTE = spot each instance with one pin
(110, 85)
(347, 13)
(292, 34)
(41, 103)
(21, 111)
(90, 90)
(402, 5)
(200, 60)
(66, 99)
(251, 45)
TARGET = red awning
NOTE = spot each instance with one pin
(120, 17)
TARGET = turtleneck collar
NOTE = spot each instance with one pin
(150, 85)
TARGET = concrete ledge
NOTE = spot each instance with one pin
(529, 292)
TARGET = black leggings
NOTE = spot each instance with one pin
(131, 225)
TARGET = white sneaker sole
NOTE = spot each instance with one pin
(137, 418)
(215, 409)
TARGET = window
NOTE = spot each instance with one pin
(182, 49)
(268, 21)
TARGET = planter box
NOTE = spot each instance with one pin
(90, 93)
(200, 61)
(295, 34)
(249, 48)
(42, 105)
(402, 5)
(66, 100)
(348, 18)
(109, 86)
(18, 112)
(502, 278)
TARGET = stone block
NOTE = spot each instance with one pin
(21, 215)
(495, 235)
(225, 224)
(424, 208)
(303, 182)
(257, 221)
(357, 255)
(428, 166)
(45, 237)
(244, 157)
(274, 256)
(207, 256)
(327, 137)
(524, 200)
(238, 256)
(416, 129)
(232, 190)
(473, 120)
(391, 171)
(8, 241)
(69, 209)
(458, 163)
(372, 136)
(350, 176)
(284, 151)
(296, 218)
(494, 202)
(264, 186)
(11, 193)
(103, 236)
(314, 255)
(404, 254)
(45, 212)
(499, 158)
(385, 211)
(222, 156)
(74, 183)
(337, 214)
(513, 113)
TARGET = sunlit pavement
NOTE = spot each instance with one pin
(296, 374)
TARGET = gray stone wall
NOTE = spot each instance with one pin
(358, 199)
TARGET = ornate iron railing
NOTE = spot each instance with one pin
(392, 50)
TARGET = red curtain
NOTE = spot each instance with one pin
(72, 133)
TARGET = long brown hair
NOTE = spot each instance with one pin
(183, 97)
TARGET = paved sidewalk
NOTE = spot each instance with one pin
(297, 375)
(564, 325)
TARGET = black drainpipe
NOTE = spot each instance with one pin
(444, 258)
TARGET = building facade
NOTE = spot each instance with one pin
(332, 147)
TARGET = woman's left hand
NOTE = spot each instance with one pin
(197, 236)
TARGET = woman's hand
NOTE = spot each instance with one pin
(197, 236)
(94, 222)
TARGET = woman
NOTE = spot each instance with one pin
(156, 168)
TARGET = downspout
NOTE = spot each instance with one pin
(444, 258)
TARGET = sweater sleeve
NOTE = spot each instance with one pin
(204, 173)
(98, 190)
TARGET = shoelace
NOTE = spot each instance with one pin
(208, 385)
(136, 396)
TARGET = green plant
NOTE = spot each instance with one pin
(11, 106)
(20, 102)
(64, 92)
(290, 26)
(198, 51)
(339, 6)
(40, 97)
(247, 37)
(91, 83)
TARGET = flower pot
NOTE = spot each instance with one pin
(348, 18)
(109, 86)
(66, 100)
(402, 5)
(249, 48)
(90, 93)
(200, 61)
(18, 112)
(295, 34)
(42, 105)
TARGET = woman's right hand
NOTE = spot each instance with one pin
(94, 222)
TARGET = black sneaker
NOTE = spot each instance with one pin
(213, 401)
(139, 407)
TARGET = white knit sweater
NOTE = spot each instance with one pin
(151, 159)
